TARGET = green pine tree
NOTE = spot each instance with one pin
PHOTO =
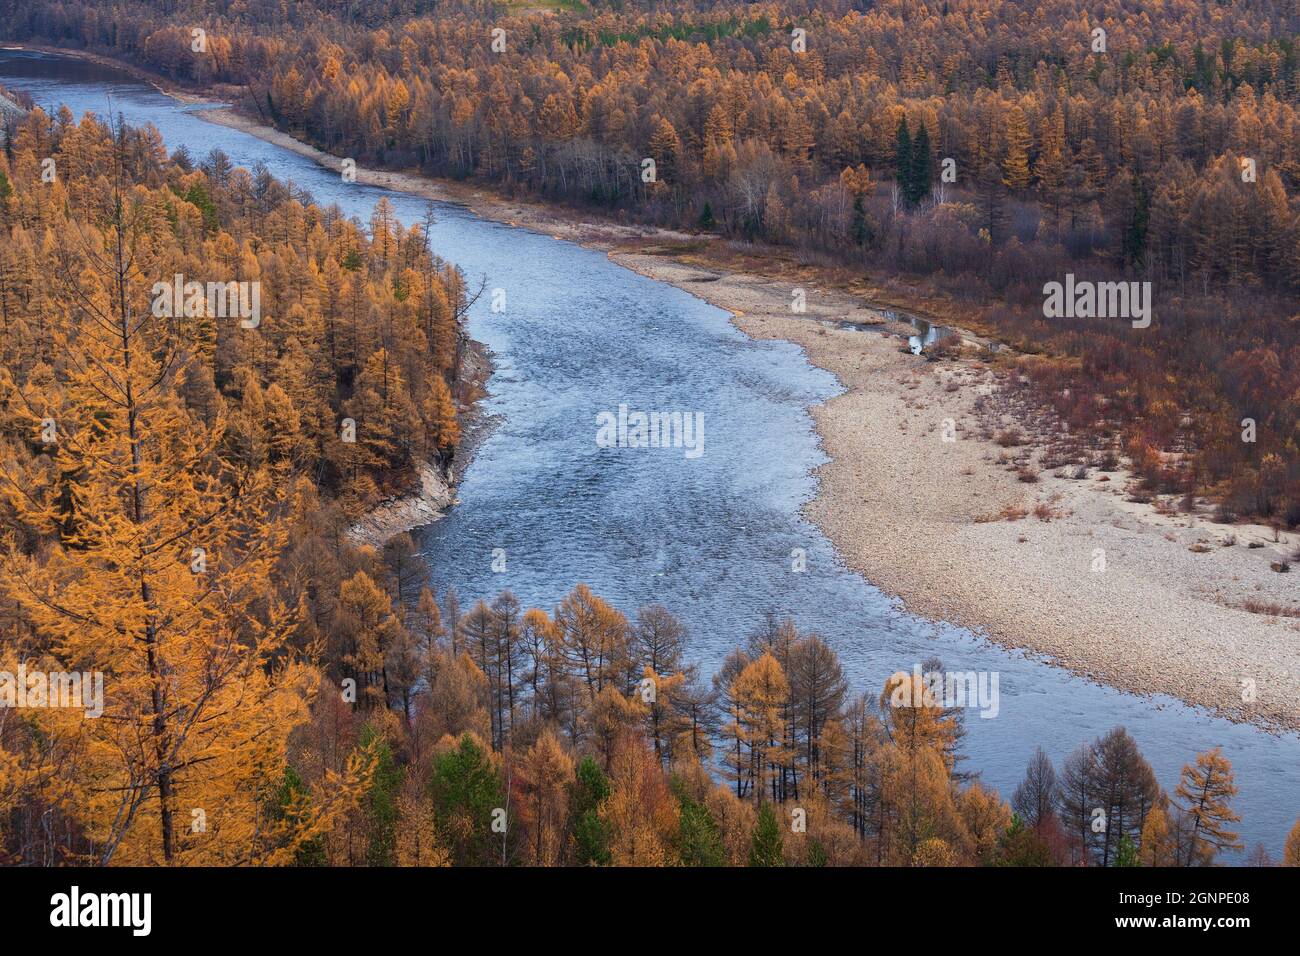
(816, 854)
(199, 198)
(903, 159)
(291, 798)
(1126, 852)
(590, 832)
(380, 802)
(466, 791)
(699, 837)
(1135, 231)
(765, 844)
(862, 231)
(1021, 846)
(921, 170)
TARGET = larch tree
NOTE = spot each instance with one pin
(546, 774)
(915, 802)
(594, 636)
(417, 835)
(760, 694)
(1036, 797)
(367, 630)
(1051, 168)
(640, 811)
(1206, 790)
(160, 574)
(817, 691)
(1125, 788)
(1291, 851)
(1155, 847)
(1015, 161)
(665, 150)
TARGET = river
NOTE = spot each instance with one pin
(711, 537)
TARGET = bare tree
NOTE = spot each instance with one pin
(1036, 798)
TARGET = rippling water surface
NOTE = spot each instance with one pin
(710, 537)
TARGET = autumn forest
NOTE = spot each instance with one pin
(179, 491)
(1122, 161)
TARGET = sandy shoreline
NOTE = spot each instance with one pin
(919, 517)
(958, 536)
(949, 527)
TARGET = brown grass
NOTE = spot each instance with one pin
(1271, 608)
(1008, 513)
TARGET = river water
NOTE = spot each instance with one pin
(710, 536)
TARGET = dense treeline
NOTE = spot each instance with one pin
(176, 486)
(175, 492)
(272, 695)
(1122, 162)
(357, 321)
(609, 746)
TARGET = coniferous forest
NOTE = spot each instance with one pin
(179, 491)
(1162, 148)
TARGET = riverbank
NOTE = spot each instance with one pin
(1069, 569)
(951, 528)
(433, 492)
(1134, 595)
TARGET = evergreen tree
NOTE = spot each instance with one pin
(291, 803)
(921, 169)
(861, 226)
(1135, 229)
(1021, 845)
(765, 843)
(992, 212)
(1126, 852)
(199, 197)
(590, 832)
(380, 801)
(466, 789)
(903, 159)
(816, 854)
(699, 841)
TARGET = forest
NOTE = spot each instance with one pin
(176, 490)
(974, 149)
(175, 501)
